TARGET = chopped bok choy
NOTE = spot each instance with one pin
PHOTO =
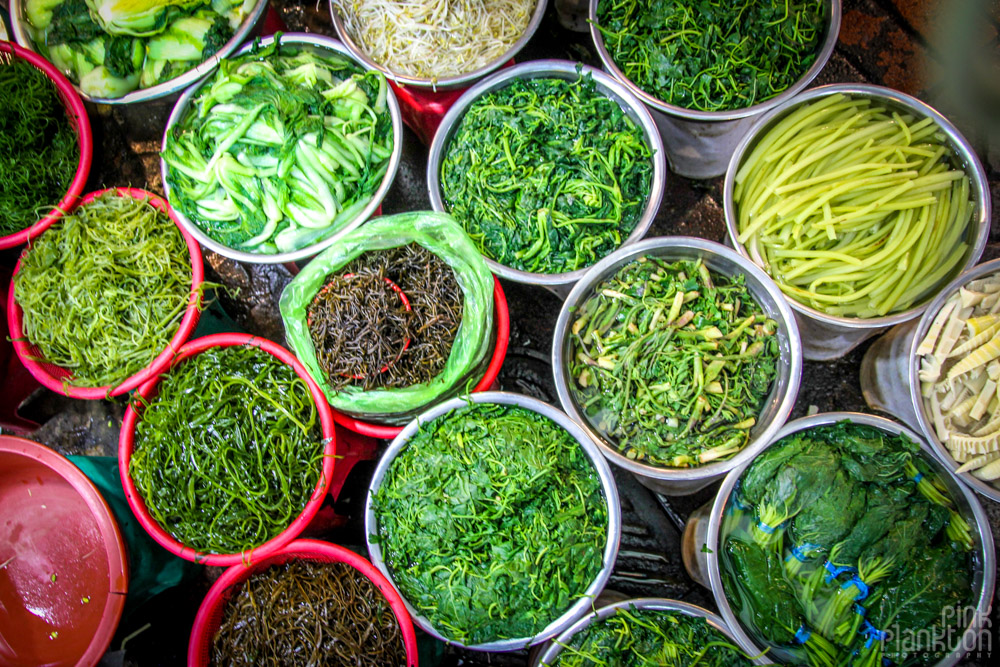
(280, 149)
(960, 376)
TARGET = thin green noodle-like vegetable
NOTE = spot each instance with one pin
(229, 451)
(104, 290)
(854, 209)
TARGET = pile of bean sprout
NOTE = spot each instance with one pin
(434, 39)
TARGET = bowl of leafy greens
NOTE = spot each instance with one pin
(287, 146)
(46, 145)
(127, 51)
(846, 539)
(497, 520)
(549, 166)
(709, 68)
(646, 631)
(679, 357)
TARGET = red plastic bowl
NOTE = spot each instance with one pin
(53, 376)
(126, 444)
(77, 116)
(65, 571)
(209, 617)
(492, 371)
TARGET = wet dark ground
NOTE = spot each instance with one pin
(901, 43)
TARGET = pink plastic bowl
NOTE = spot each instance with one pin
(78, 119)
(54, 377)
(492, 371)
(126, 445)
(210, 614)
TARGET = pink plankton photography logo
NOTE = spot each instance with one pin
(946, 637)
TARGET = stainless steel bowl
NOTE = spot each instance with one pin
(552, 650)
(984, 557)
(580, 606)
(777, 406)
(319, 44)
(19, 27)
(890, 380)
(448, 82)
(699, 143)
(827, 336)
(552, 69)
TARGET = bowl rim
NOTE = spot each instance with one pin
(647, 603)
(557, 69)
(984, 553)
(502, 332)
(192, 313)
(449, 82)
(80, 122)
(219, 594)
(610, 492)
(126, 445)
(317, 42)
(665, 245)
(913, 368)
(822, 56)
(169, 87)
(979, 224)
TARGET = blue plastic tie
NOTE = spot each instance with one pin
(859, 584)
(919, 476)
(873, 634)
(859, 610)
(835, 571)
(798, 552)
(802, 635)
(766, 528)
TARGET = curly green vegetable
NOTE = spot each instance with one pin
(492, 522)
(229, 451)
(280, 149)
(547, 175)
(38, 147)
(713, 55)
(673, 362)
(104, 289)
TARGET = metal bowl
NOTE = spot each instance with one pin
(699, 143)
(448, 82)
(19, 28)
(777, 406)
(984, 557)
(552, 69)
(580, 606)
(835, 336)
(552, 650)
(319, 44)
(912, 361)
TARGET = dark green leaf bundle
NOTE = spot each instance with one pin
(280, 149)
(547, 175)
(712, 55)
(104, 289)
(672, 361)
(637, 637)
(307, 612)
(38, 147)
(229, 451)
(842, 546)
(492, 522)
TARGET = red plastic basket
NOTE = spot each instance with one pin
(209, 617)
(53, 376)
(126, 444)
(492, 371)
(77, 116)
